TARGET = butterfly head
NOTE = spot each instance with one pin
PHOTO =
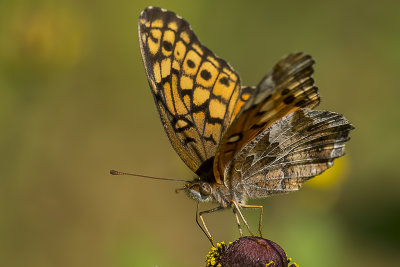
(199, 191)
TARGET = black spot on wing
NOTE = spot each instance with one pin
(187, 124)
(167, 45)
(267, 98)
(210, 138)
(257, 126)
(215, 120)
(205, 74)
(301, 103)
(220, 99)
(190, 64)
(189, 140)
(224, 81)
(288, 100)
(201, 107)
(285, 91)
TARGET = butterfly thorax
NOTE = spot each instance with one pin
(207, 189)
(209, 192)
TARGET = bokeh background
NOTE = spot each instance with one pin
(75, 103)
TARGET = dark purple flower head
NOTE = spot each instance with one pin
(248, 251)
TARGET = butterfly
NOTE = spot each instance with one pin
(241, 141)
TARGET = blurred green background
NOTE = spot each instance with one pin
(75, 102)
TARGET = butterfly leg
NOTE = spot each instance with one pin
(236, 207)
(261, 214)
(238, 223)
(204, 227)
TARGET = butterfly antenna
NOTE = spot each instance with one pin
(114, 172)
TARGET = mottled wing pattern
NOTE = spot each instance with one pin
(197, 94)
(286, 88)
(293, 149)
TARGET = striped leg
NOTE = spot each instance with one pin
(236, 207)
(238, 223)
(261, 214)
(205, 229)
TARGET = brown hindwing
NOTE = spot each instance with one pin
(295, 148)
(285, 89)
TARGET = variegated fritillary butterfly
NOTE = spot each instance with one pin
(242, 142)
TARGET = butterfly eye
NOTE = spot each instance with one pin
(205, 189)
